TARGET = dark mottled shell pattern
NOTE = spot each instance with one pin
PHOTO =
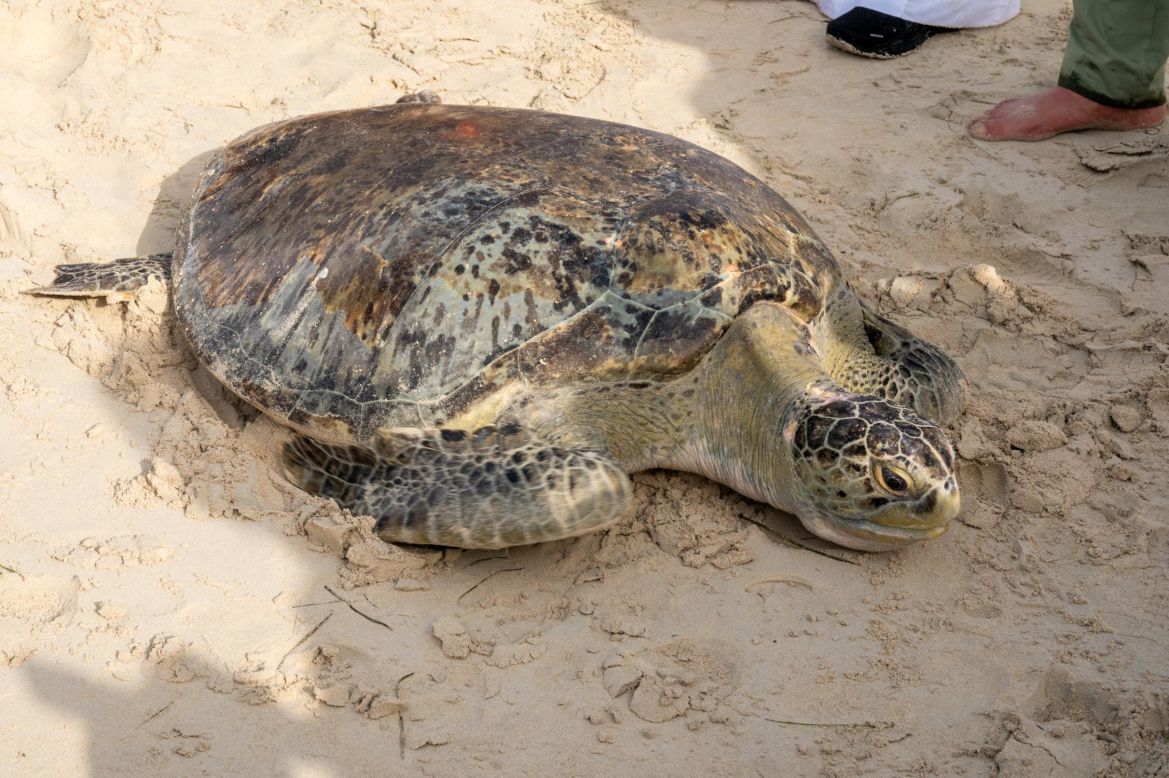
(412, 265)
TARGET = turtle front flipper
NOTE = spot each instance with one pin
(865, 353)
(495, 487)
(922, 376)
(120, 278)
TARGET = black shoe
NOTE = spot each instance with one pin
(881, 36)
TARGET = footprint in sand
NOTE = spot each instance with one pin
(39, 47)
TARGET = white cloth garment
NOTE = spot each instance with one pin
(938, 13)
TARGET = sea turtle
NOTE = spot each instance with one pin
(479, 321)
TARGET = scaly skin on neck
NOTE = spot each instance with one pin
(724, 420)
(755, 382)
(840, 339)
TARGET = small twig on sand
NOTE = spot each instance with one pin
(157, 713)
(780, 579)
(351, 607)
(485, 580)
(300, 642)
(401, 718)
(846, 725)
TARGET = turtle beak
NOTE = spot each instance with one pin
(867, 535)
(939, 506)
(898, 525)
(933, 510)
(949, 504)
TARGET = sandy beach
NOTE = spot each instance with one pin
(170, 605)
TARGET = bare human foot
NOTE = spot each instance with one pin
(1047, 114)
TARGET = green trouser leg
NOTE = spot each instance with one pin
(1116, 52)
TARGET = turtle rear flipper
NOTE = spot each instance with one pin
(120, 278)
(492, 488)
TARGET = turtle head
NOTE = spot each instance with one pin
(870, 475)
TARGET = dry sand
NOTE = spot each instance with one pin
(169, 606)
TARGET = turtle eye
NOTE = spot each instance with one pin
(893, 479)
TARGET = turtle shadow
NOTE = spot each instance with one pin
(159, 235)
(174, 193)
